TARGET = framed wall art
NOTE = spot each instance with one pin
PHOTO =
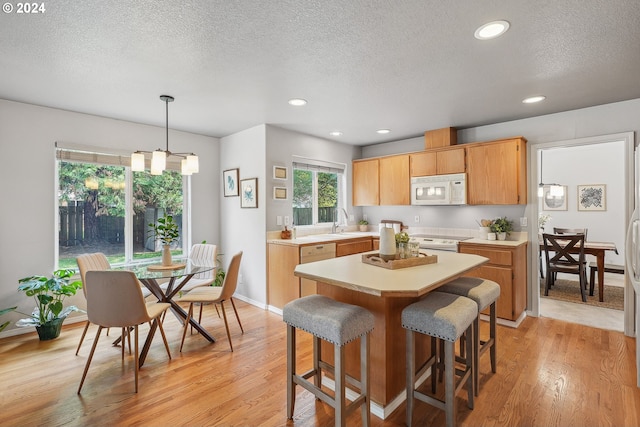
(553, 202)
(592, 197)
(279, 193)
(230, 182)
(249, 193)
(280, 172)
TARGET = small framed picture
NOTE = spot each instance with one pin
(249, 193)
(280, 193)
(592, 197)
(280, 172)
(230, 182)
(554, 202)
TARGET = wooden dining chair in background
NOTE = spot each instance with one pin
(215, 295)
(115, 300)
(559, 230)
(87, 262)
(559, 258)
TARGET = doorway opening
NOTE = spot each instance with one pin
(606, 164)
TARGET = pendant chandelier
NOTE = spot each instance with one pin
(555, 190)
(189, 164)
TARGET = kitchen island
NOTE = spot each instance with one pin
(385, 293)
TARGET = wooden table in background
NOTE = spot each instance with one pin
(598, 250)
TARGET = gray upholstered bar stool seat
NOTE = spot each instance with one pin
(337, 323)
(485, 293)
(444, 317)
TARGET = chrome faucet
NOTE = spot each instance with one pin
(334, 225)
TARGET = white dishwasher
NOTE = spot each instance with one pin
(313, 253)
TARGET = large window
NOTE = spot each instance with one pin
(318, 193)
(94, 196)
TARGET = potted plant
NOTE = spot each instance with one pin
(49, 295)
(502, 227)
(362, 224)
(167, 232)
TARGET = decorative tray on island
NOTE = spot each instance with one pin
(422, 259)
(160, 267)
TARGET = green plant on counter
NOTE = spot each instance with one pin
(502, 225)
(402, 237)
(363, 222)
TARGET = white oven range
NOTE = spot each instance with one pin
(441, 243)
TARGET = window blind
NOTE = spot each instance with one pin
(97, 155)
(318, 166)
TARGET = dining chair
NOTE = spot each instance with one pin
(114, 299)
(215, 295)
(558, 230)
(560, 255)
(201, 254)
(86, 262)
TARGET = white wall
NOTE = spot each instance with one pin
(281, 146)
(28, 227)
(591, 164)
(244, 229)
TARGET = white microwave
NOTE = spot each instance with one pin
(439, 190)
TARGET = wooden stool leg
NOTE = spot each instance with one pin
(291, 368)
(317, 377)
(493, 336)
(449, 383)
(470, 362)
(476, 355)
(364, 380)
(411, 371)
(341, 416)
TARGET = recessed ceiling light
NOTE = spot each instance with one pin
(297, 102)
(383, 131)
(534, 99)
(491, 30)
(335, 133)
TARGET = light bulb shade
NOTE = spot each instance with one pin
(184, 167)
(192, 163)
(540, 190)
(158, 162)
(137, 162)
(556, 191)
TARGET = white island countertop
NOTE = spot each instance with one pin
(351, 273)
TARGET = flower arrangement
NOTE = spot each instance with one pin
(166, 230)
(542, 220)
(402, 237)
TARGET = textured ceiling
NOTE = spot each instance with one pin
(363, 65)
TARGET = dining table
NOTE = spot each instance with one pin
(165, 283)
(597, 249)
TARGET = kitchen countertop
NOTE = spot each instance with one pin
(516, 238)
(351, 273)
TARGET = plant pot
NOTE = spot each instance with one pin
(502, 235)
(50, 330)
(166, 255)
(363, 227)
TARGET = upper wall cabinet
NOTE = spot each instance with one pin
(366, 178)
(497, 172)
(381, 181)
(395, 184)
(438, 162)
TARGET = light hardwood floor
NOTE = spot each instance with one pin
(549, 373)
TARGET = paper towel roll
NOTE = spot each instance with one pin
(387, 243)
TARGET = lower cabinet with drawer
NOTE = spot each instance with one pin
(282, 285)
(507, 266)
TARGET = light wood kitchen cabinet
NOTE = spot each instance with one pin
(366, 178)
(438, 162)
(395, 184)
(440, 138)
(282, 285)
(507, 267)
(354, 246)
(497, 172)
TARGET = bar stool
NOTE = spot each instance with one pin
(485, 293)
(337, 323)
(444, 317)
